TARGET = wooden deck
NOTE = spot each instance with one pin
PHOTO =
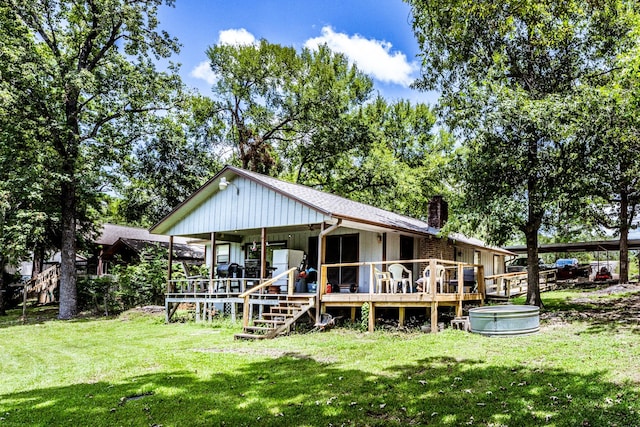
(447, 290)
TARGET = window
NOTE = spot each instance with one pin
(223, 253)
(342, 249)
(252, 250)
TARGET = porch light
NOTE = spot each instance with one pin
(224, 184)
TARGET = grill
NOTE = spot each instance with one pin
(252, 268)
(229, 270)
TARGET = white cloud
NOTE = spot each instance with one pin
(239, 37)
(373, 57)
(203, 71)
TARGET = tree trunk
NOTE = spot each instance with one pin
(68, 292)
(38, 257)
(2, 288)
(533, 268)
(624, 238)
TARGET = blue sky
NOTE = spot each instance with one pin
(374, 34)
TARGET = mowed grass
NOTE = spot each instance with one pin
(134, 370)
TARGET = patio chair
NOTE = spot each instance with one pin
(195, 282)
(426, 274)
(383, 281)
(398, 273)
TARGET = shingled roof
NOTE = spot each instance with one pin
(337, 206)
(330, 205)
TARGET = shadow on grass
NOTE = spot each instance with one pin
(39, 314)
(297, 390)
(602, 314)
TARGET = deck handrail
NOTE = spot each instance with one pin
(247, 294)
(546, 277)
(457, 265)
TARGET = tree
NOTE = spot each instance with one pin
(385, 154)
(274, 99)
(170, 164)
(92, 83)
(610, 125)
(502, 67)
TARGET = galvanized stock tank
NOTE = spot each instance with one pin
(505, 320)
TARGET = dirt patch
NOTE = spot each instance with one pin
(149, 309)
(615, 306)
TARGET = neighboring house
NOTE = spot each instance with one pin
(119, 243)
(237, 212)
(128, 251)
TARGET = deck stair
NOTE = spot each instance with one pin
(279, 319)
(44, 285)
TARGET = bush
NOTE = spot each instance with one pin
(128, 286)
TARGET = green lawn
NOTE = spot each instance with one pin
(135, 370)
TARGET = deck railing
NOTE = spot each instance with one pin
(514, 284)
(289, 274)
(451, 282)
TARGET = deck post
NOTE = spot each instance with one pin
(434, 317)
(213, 259)
(400, 316)
(460, 290)
(170, 264)
(481, 284)
(372, 316)
(372, 280)
(353, 314)
(246, 310)
(432, 277)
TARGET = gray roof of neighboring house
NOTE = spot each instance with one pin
(112, 232)
(181, 251)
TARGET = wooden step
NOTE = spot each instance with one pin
(244, 336)
(268, 322)
(283, 315)
(257, 328)
(279, 309)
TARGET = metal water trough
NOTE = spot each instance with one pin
(505, 320)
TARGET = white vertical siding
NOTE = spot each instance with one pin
(248, 206)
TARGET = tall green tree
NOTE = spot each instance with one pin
(502, 67)
(274, 98)
(384, 153)
(92, 82)
(610, 126)
(170, 164)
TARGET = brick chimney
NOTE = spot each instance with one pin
(438, 212)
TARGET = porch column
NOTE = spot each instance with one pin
(263, 253)
(322, 276)
(384, 251)
(212, 267)
(170, 264)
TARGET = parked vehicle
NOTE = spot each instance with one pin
(603, 274)
(520, 265)
(570, 268)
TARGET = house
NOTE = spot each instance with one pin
(124, 244)
(247, 218)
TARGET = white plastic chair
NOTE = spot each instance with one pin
(383, 281)
(398, 274)
(439, 278)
